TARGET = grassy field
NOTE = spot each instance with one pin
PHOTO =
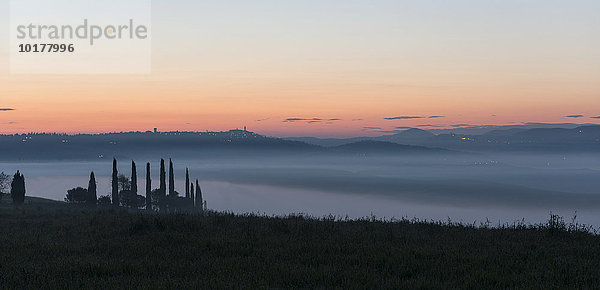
(46, 244)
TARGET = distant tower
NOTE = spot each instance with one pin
(155, 130)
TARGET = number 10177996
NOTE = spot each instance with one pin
(46, 47)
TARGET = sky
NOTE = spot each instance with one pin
(330, 68)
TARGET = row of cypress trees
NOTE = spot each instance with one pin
(171, 202)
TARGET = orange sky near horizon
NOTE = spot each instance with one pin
(108, 103)
(375, 65)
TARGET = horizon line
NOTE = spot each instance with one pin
(383, 132)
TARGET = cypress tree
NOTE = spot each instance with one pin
(17, 188)
(115, 184)
(92, 194)
(163, 186)
(148, 188)
(192, 196)
(171, 179)
(134, 188)
(198, 196)
(187, 183)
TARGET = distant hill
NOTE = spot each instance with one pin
(580, 139)
(382, 147)
(242, 143)
(502, 133)
(582, 134)
(410, 136)
(98, 146)
(484, 129)
(327, 142)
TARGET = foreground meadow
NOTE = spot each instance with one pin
(46, 244)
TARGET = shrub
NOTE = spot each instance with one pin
(77, 195)
(104, 200)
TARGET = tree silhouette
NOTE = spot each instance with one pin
(192, 196)
(92, 195)
(134, 187)
(4, 184)
(126, 196)
(163, 187)
(156, 198)
(78, 195)
(115, 183)
(187, 183)
(171, 179)
(124, 183)
(148, 188)
(104, 200)
(17, 188)
(198, 196)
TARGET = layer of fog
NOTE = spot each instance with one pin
(501, 188)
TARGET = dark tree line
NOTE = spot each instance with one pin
(124, 192)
